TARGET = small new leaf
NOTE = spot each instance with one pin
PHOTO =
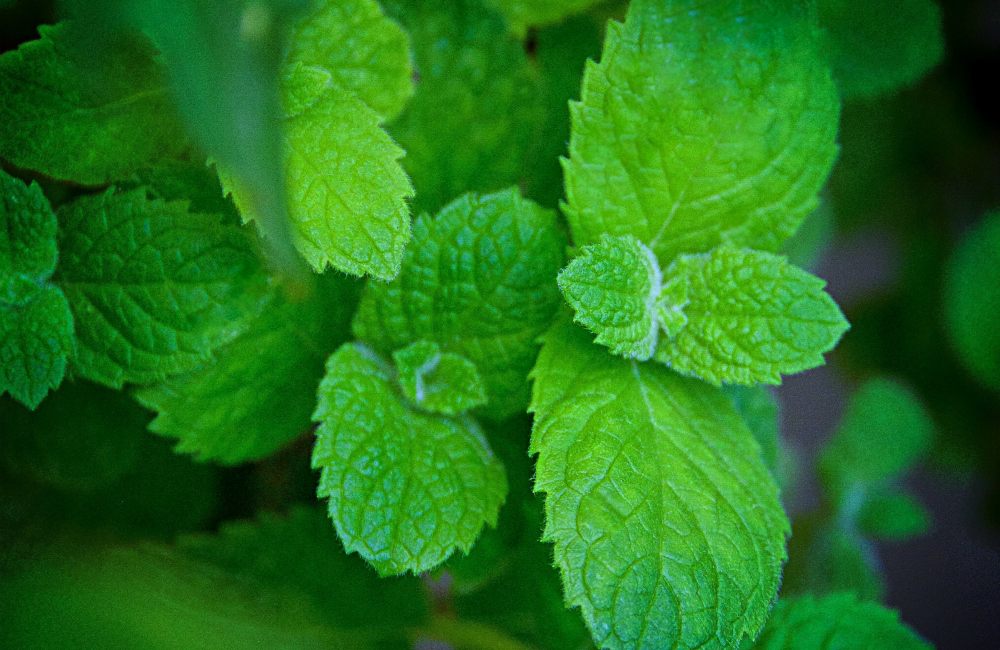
(36, 337)
(363, 51)
(438, 381)
(406, 487)
(666, 522)
(36, 326)
(704, 123)
(752, 317)
(154, 289)
(480, 281)
(614, 287)
(86, 112)
(836, 621)
(27, 239)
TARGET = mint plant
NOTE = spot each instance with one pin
(561, 411)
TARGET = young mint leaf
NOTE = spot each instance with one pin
(83, 437)
(972, 301)
(154, 289)
(667, 525)
(36, 337)
(526, 13)
(225, 411)
(364, 52)
(878, 47)
(883, 433)
(85, 111)
(893, 516)
(406, 488)
(441, 382)
(476, 109)
(836, 621)
(614, 286)
(27, 239)
(751, 317)
(480, 281)
(301, 552)
(36, 326)
(346, 191)
(704, 123)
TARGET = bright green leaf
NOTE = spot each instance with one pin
(346, 191)
(364, 52)
(480, 281)
(667, 525)
(476, 109)
(83, 437)
(153, 288)
(972, 301)
(704, 123)
(301, 552)
(527, 13)
(614, 286)
(406, 488)
(751, 317)
(226, 411)
(883, 434)
(35, 339)
(836, 621)
(27, 239)
(893, 516)
(879, 46)
(441, 382)
(85, 110)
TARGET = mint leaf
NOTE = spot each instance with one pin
(878, 47)
(439, 382)
(27, 239)
(480, 281)
(36, 336)
(365, 53)
(225, 411)
(704, 123)
(346, 191)
(151, 596)
(36, 326)
(81, 438)
(836, 621)
(758, 407)
(614, 286)
(666, 523)
(85, 112)
(883, 433)
(751, 317)
(893, 516)
(972, 301)
(153, 288)
(406, 488)
(476, 109)
(526, 13)
(300, 552)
